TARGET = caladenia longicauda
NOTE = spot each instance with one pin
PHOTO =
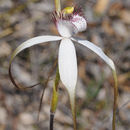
(69, 22)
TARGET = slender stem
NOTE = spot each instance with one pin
(50, 73)
(54, 99)
(57, 5)
(115, 101)
(55, 93)
(51, 120)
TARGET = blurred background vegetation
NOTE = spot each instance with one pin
(108, 27)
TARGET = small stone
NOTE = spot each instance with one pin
(120, 29)
(26, 119)
(3, 116)
(5, 49)
(102, 94)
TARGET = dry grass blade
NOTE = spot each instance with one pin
(50, 73)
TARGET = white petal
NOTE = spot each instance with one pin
(68, 65)
(32, 42)
(65, 28)
(97, 50)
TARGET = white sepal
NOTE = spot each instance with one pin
(32, 42)
(97, 50)
(68, 65)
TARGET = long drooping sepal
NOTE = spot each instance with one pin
(68, 71)
(100, 53)
(97, 50)
(115, 105)
(73, 108)
(27, 44)
(54, 100)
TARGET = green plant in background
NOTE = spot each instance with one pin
(69, 22)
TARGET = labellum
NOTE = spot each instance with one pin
(69, 23)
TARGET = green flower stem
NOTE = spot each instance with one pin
(115, 100)
(55, 92)
(57, 5)
(54, 100)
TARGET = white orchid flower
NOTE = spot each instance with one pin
(67, 25)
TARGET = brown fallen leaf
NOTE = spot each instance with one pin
(125, 16)
(107, 27)
(115, 8)
(101, 6)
